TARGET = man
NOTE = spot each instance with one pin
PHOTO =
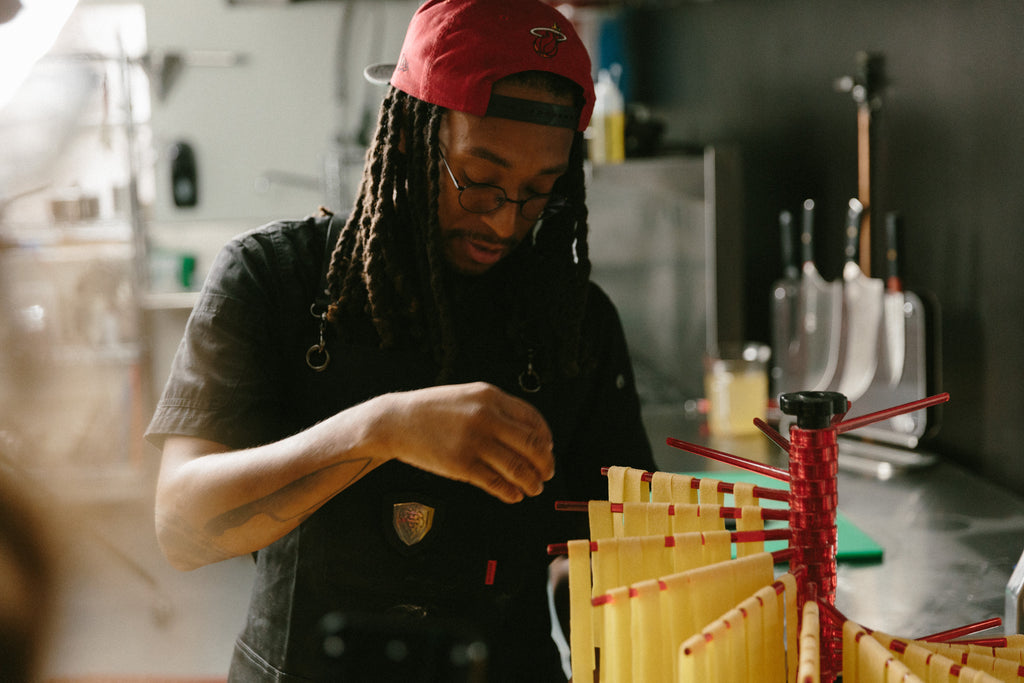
(385, 409)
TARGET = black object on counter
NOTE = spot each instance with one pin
(813, 409)
(184, 183)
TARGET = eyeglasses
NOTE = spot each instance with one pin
(483, 198)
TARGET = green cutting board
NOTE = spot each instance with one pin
(854, 545)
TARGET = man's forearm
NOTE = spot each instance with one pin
(213, 504)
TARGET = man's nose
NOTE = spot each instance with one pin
(504, 220)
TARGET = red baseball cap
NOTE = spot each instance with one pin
(455, 50)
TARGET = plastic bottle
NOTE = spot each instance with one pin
(608, 137)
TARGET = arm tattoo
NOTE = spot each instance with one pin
(276, 505)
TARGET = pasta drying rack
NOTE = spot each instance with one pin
(812, 534)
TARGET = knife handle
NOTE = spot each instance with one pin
(853, 220)
(807, 232)
(789, 267)
(893, 232)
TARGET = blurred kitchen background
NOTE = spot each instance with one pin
(140, 136)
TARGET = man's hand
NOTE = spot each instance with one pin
(474, 433)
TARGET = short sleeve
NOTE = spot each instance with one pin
(225, 377)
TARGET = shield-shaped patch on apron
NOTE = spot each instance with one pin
(412, 521)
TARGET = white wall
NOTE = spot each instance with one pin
(279, 111)
(264, 131)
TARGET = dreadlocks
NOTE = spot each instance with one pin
(388, 262)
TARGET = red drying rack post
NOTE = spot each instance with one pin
(813, 499)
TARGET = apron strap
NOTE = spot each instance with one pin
(317, 356)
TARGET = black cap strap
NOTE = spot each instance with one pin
(531, 111)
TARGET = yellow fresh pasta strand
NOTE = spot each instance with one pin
(717, 635)
(616, 494)
(581, 624)
(809, 668)
(605, 567)
(939, 667)
(723, 585)
(661, 487)
(743, 494)
(916, 659)
(787, 602)
(692, 662)
(1004, 670)
(696, 597)
(683, 491)
(677, 597)
(709, 494)
(753, 639)
(877, 664)
(773, 634)
(871, 660)
(657, 556)
(600, 515)
(713, 595)
(898, 672)
(651, 663)
(750, 520)
(1014, 654)
(736, 664)
(616, 666)
(635, 489)
(634, 519)
(1007, 653)
(688, 551)
(686, 518)
(710, 517)
(852, 632)
(631, 560)
(717, 546)
(616, 484)
(752, 573)
(659, 521)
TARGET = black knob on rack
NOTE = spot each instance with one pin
(813, 409)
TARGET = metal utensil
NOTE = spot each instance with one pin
(787, 370)
(895, 325)
(865, 87)
(862, 298)
(821, 305)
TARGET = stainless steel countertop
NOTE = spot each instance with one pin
(950, 538)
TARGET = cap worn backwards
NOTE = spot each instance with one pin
(455, 50)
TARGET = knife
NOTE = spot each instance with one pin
(787, 373)
(820, 311)
(862, 298)
(895, 336)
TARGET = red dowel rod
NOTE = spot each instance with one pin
(772, 434)
(729, 459)
(863, 420)
(946, 636)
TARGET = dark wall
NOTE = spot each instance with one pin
(951, 141)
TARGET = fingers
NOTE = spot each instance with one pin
(523, 447)
(474, 433)
(499, 486)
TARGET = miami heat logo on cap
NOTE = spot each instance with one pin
(546, 40)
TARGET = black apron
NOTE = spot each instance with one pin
(404, 554)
